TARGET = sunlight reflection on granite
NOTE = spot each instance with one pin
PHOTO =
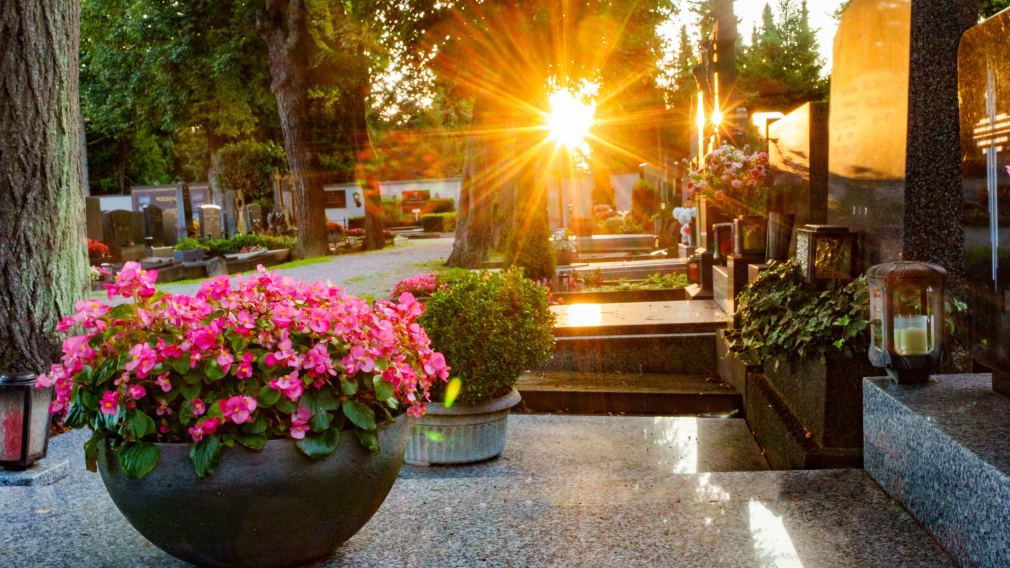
(772, 545)
(583, 315)
(710, 492)
(681, 434)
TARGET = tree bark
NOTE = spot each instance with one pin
(284, 26)
(43, 258)
(365, 160)
(487, 193)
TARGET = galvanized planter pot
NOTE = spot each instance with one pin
(274, 507)
(460, 434)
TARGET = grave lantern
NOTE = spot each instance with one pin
(906, 319)
(24, 420)
(827, 252)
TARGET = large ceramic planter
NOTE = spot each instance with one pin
(274, 507)
(460, 434)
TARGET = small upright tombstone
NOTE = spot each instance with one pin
(120, 232)
(254, 217)
(154, 225)
(94, 220)
(210, 221)
(169, 228)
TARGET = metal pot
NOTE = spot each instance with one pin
(461, 434)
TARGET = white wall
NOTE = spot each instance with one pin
(116, 202)
(442, 188)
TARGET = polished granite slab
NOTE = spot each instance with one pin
(941, 450)
(639, 318)
(568, 491)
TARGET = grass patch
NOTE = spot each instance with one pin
(298, 263)
(356, 280)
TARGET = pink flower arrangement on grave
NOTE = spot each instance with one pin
(243, 361)
(416, 285)
(733, 180)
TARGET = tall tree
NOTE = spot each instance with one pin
(989, 8)
(782, 67)
(43, 263)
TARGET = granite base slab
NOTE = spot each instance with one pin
(43, 472)
(941, 450)
(567, 491)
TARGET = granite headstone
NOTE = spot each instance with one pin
(893, 150)
(210, 221)
(94, 222)
(154, 225)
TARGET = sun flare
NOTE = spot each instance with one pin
(570, 120)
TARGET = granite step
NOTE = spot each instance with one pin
(626, 393)
(637, 337)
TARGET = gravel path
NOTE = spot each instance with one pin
(368, 273)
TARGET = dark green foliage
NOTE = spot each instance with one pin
(782, 67)
(989, 8)
(644, 201)
(442, 205)
(653, 282)
(491, 327)
(533, 251)
(237, 243)
(248, 167)
(439, 222)
(782, 315)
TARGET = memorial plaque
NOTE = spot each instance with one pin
(984, 89)
(210, 221)
(94, 221)
(154, 225)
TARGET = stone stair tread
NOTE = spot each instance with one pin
(622, 383)
(624, 318)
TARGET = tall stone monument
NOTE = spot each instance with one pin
(894, 152)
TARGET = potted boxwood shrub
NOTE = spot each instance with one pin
(491, 327)
(255, 423)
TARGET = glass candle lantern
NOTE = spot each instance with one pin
(24, 420)
(749, 233)
(827, 252)
(723, 242)
(906, 319)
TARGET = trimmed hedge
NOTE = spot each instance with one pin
(439, 222)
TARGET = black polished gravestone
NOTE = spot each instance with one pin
(154, 225)
(893, 151)
(984, 79)
(122, 236)
(798, 159)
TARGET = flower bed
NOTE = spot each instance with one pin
(241, 362)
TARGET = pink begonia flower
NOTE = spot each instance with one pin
(163, 382)
(136, 392)
(109, 403)
(143, 359)
(319, 320)
(132, 281)
(300, 423)
(163, 408)
(317, 361)
(245, 368)
(203, 428)
(225, 359)
(289, 385)
(238, 408)
(199, 407)
(205, 338)
(163, 428)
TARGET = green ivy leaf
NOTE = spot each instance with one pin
(359, 414)
(205, 455)
(370, 440)
(252, 441)
(190, 391)
(76, 416)
(140, 424)
(320, 446)
(138, 459)
(91, 450)
(383, 389)
(268, 396)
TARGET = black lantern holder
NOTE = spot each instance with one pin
(827, 253)
(24, 420)
(906, 319)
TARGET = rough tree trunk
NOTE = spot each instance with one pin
(487, 192)
(284, 26)
(365, 160)
(43, 258)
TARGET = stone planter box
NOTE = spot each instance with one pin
(616, 296)
(732, 370)
(808, 414)
(460, 434)
(193, 255)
